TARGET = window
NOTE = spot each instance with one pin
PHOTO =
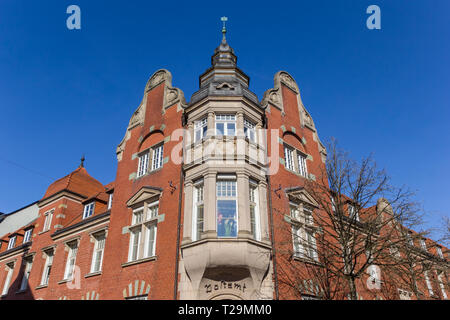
(47, 267)
(441, 285)
(48, 220)
(307, 212)
(200, 128)
(10, 267)
(333, 204)
(423, 244)
(302, 165)
(27, 236)
(439, 251)
(294, 211)
(428, 282)
(249, 130)
(12, 242)
(311, 251)
(289, 158)
(254, 210)
(410, 239)
(110, 200)
(143, 233)
(99, 247)
(225, 125)
(71, 257)
(157, 157)
(143, 165)
(88, 210)
(26, 274)
(226, 208)
(297, 241)
(353, 212)
(198, 213)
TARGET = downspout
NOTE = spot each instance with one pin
(274, 257)
(180, 199)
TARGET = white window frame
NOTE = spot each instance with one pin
(226, 119)
(353, 212)
(47, 267)
(439, 252)
(249, 130)
(227, 194)
(26, 274)
(429, 285)
(200, 129)
(423, 244)
(198, 206)
(27, 235)
(297, 242)
(144, 224)
(157, 156)
(143, 164)
(441, 284)
(8, 279)
(71, 260)
(99, 250)
(48, 220)
(151, 228)
(289, 158)
(12, 242)
(254, 204)
(312, 245)
(88, 210)
(110, 199)
(302, 168)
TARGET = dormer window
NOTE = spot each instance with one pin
(27, 236)
(12, 242)
(88, 210)
(110, 200)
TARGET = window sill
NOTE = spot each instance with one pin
(130, 263)
(41, 286)
(149, 173)
(93, 274)
(43, 231)
(64, 281)
(307, 260)
(21, 291)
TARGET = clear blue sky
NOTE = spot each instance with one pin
(64, 93)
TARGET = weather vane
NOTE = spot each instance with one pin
(82, 161)
(224, 29)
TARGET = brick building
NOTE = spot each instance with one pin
(191, 214)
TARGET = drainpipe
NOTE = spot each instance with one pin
(272, 239)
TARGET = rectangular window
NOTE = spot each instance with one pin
(200, 128)
(441, 285)
(353, 212)
(152, 211)
(254, 211)
(410, 239)
(71, 257)
(99, 248)
(297, 242)
(12, 242)
(312, 247)
(439, 251)
(138, 216)
(423, 244)
(302, 165)
(47, 267)
(110, 200)
(198, 207)
(289, 158)
(249, 130)
(27, 236)
(134, 244)
(48, 220)
(294, 211)
(157, 157)
(151, 240)
(26, 274)
(428, 282)
(226, 208)
(88, 210)
(10, 267)
(308, 214)
(143, 164)
(225, 125)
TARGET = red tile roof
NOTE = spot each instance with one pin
(79, 181)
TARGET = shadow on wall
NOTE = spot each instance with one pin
(17, 290)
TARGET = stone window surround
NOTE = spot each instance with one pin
(210, 220)
(150, 150)
(210, 114)
(296, 153)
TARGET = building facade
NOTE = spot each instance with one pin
(199, 189)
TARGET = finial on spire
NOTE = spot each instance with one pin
(82, 162)
(224, 29)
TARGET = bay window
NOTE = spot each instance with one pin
(200, 128)
(198, 213)
(226, 195)
(225, 125)
(254, 210)
(249, 130)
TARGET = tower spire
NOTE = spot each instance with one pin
(224, 29)
(82, 161)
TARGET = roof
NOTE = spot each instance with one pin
(78, 181)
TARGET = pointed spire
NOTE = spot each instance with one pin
(82, 161)
(224, 29)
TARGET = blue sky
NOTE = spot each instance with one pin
(64, 93)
